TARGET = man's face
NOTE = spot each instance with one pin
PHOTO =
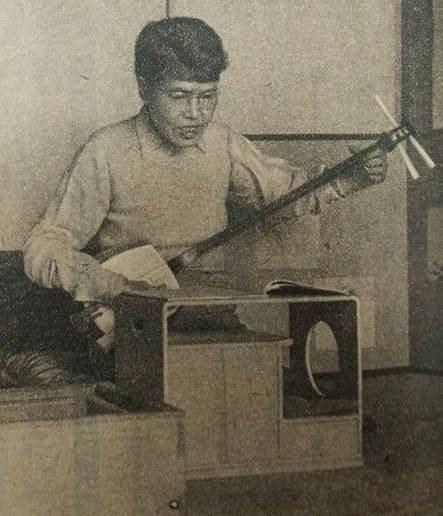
(182, 110)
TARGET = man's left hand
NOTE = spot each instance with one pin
(374, 167)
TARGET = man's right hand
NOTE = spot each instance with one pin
(143, 288)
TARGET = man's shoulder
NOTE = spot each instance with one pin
(118, 133)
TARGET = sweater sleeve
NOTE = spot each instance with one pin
(52, 253)
(257, 179)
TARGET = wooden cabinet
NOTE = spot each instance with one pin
(195, 383)
(230, 396)
(252, 379)
(320, 439)
(245, 412)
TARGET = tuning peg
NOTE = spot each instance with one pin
(402, 148)
(425, 156)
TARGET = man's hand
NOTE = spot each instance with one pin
(144, 288)
(374, 167)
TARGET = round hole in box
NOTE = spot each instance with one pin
(322, 362)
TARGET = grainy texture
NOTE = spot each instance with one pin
(64, 461)
(68, 71)
(231, 385)
(295, 66)
(304, 66)
(402, 473)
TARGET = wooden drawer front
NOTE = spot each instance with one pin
(230, 396)
(99, 465)
(195, 385)
(252, 384)
(319, 439)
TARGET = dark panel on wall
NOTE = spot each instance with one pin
(417, 109)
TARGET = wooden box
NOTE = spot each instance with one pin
(57, 459)
(241, 415)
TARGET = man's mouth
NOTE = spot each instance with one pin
(190, 131)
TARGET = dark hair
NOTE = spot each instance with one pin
(181, 48)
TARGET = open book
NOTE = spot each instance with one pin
(282, 287)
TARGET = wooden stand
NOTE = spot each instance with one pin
(241, 416)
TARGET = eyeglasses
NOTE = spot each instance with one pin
(203, 100)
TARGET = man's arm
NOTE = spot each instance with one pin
(52, 255)
(257, 179)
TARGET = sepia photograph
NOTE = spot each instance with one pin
(221, 257)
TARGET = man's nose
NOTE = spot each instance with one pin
(193, 108)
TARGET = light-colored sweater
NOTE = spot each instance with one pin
(126, 186)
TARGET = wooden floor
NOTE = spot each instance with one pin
(402, 475)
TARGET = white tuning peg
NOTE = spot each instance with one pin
(402, 148)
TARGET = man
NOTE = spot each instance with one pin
(164, 176)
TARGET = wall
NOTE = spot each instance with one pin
(66, 71)
(290, 53)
